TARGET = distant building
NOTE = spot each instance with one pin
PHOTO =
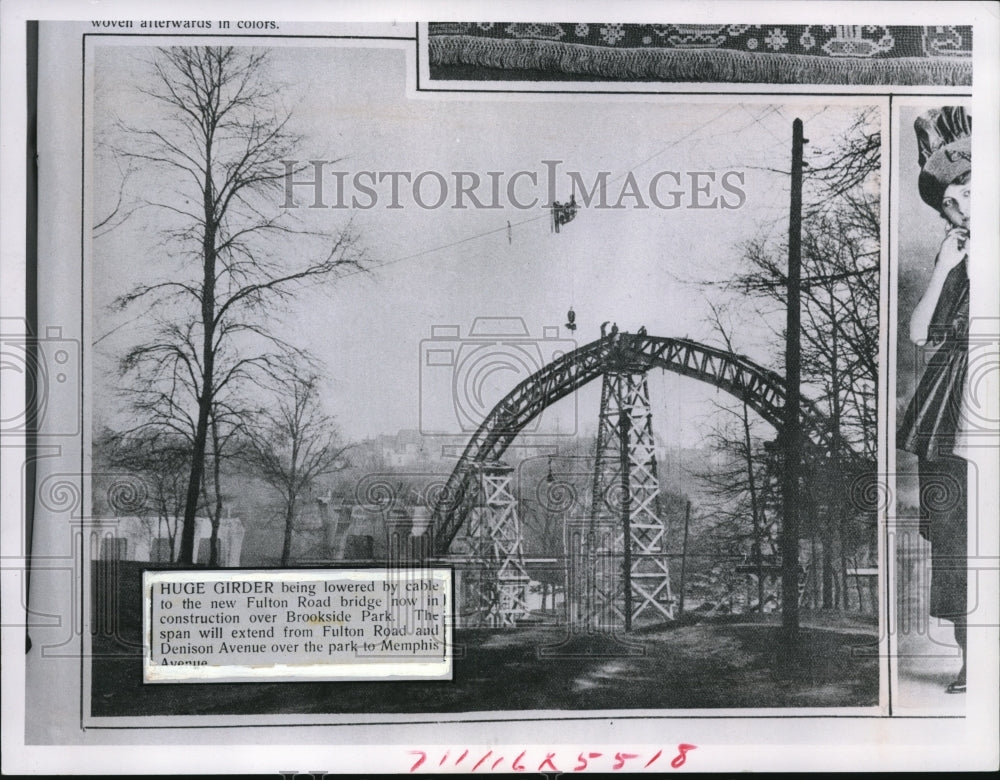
(146, 539)
(354, 532)
(408, 446)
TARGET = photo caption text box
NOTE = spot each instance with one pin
(286, 625)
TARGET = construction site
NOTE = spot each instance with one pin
(619, 617)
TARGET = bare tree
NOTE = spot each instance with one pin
(741, 486)
(552, 490)
(839, 336)
(163, 404)
(544, 536)
(840, 292)
(215, 154)
(293, 444)
(160, 461)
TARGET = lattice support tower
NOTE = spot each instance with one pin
(499, 579)
(626, 456)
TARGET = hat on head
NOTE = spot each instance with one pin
(944, 142)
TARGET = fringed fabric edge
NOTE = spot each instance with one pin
(695, 65)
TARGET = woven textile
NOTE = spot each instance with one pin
(776, 54)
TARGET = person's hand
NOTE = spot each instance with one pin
(953, 249)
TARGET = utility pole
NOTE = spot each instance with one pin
(791, 433)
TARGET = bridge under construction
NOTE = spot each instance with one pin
(616, 563)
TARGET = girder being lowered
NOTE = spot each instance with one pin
(762, 389)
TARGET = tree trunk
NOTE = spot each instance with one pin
(843, 573)
(213, 559)
(836, 503)
(758, 552)
(194, 484)
(828, 595)
(205, 397)
(163, 512)
(286, 548)
(814, 589)
(213, 556)
(857, 587)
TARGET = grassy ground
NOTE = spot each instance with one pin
(706, 665)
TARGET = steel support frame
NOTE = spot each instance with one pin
(762, 389)
(642, 580)
(498, 577)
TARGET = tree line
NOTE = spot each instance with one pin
(840, 330)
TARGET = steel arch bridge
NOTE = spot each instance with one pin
(762, 389)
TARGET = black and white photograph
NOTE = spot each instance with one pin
(598, 347)
(941, 417)
(507, 396)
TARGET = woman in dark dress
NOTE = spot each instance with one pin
(933, 426)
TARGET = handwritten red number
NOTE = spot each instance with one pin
(583, 758)
(681, 757)
(482, 761)
(621, 758)
(583, 761)
(423, 757)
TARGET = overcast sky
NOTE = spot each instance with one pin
(626, 265)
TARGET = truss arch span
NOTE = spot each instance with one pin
(762, 389)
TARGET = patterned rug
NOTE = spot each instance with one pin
(748, 53)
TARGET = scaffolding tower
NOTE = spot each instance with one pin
(497, 582)
(626, 495)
